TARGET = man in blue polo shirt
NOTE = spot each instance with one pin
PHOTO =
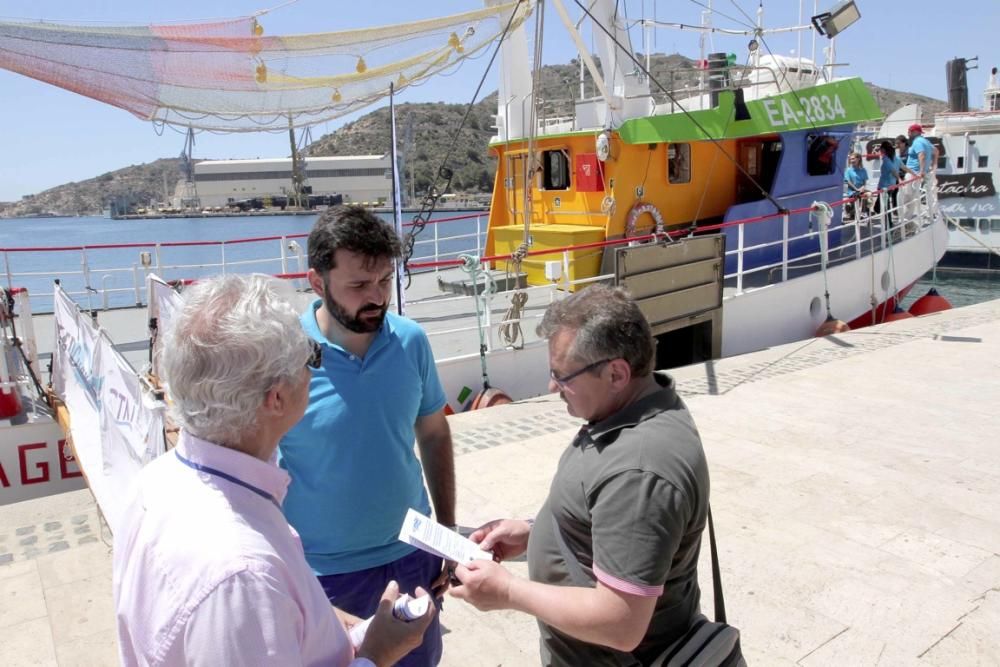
(351, 458)
(922, 160)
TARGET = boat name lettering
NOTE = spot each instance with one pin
(125, 411)
(35, 469)
(977, 184)
(81, 361)
(811, 109)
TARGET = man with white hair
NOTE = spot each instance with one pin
(206, 569)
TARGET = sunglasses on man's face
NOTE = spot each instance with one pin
(315, 359)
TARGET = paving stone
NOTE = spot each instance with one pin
(25, 530)
(52, 525)
(29, 540)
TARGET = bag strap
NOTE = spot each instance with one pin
(720, 603)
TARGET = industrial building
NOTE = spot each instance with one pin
(357, 178)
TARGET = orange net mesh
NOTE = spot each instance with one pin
(230, 76)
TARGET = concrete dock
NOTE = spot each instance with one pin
(855, 486)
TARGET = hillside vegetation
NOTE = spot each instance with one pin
(434, 127)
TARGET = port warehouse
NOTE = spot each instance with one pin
(357, 178)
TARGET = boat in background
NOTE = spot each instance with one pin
(968, 168)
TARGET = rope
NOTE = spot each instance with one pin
(530, 164)
(429, 201)
(957, 226)
(510, 331)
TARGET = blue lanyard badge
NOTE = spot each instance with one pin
(229, 478)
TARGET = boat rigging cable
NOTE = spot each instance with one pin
(429, 201)
(694, 121)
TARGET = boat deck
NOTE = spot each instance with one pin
(856, 489)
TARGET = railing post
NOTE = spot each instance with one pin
(159, 265)
(284, 255)
(784, 246)
(6, 265)
(104, 290)
(222, 250)
(437, 250)
(135, 284)
(739, 258)
(479, 240)
(565, 259)
(857, 236)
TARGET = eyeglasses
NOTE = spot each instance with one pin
(315, 359)
(566, 379)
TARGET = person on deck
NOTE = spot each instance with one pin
(889, 175)
(922, 161)
(351, 457)
(626, 507)
(206, 569)
(855, 176)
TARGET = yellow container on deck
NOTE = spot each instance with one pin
(584, 263)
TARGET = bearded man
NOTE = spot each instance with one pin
(376, 391)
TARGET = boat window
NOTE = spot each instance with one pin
(967, 223)
(943, 162)
(555, 170)
(984, 161)
(995, 224)
(984, 226)
(951, 225)
(959, 162)
(679, 163)
(822, 156)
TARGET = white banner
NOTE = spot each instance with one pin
(116, 428)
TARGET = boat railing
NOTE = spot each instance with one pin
(863, 236)
(866, 234)
(103, 276)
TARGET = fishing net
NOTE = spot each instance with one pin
(230, 76)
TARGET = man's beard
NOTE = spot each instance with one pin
(355, 324)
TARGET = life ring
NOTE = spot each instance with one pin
(489, 398)
(603, 146)
(637, 210)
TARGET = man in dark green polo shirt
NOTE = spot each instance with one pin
(626, 508)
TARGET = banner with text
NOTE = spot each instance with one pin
(116, 428)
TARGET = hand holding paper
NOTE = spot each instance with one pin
(430, 536)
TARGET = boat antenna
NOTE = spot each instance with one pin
(429, 201)
(694, 121)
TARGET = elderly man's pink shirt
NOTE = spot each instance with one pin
(208, 572)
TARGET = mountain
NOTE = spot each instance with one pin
(143, 183)
(436, 142)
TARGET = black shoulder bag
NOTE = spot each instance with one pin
(705, 644)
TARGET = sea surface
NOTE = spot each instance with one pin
(118, 270)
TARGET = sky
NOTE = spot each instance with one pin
(49, 136)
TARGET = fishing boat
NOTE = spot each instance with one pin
(718, 205)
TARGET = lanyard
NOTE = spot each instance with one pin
(226, 476)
